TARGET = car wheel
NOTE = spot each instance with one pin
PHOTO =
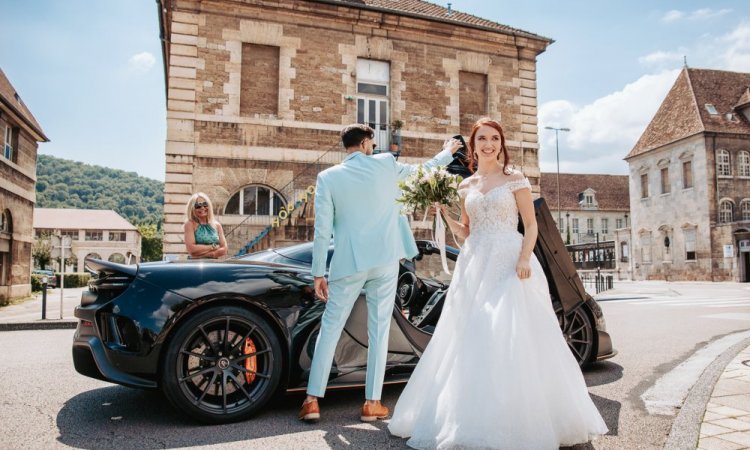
(578, 332)
(222, 365)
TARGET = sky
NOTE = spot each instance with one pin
(91, 72)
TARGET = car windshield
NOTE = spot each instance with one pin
(294, 254)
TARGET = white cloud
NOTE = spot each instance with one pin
(699, 14)
(141, 63)
(673, 16)
(734, 49)
(604, 131)
(660, 57)
(707, 13)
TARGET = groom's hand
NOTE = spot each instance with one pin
(321, 289)
(453, 145)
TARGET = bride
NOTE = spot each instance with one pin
(497, 372)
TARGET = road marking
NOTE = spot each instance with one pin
(730, 316)
(669, 391)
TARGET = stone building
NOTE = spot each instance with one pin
(98, 233)
(690, 181)
(258, 91)
(593, 218)
(20, 139)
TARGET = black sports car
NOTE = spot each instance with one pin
(220, 338)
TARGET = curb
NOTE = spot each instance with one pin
(686, 427)
(47, 325)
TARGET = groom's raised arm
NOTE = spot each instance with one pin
(441, 159)
(323, 227)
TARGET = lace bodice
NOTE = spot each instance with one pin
(496, 210)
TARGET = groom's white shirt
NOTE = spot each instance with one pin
(355, 201)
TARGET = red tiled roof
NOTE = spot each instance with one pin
(80, 219)
(684, 113)
(744, 100)
(432, 11)
(612, 191)
(10, 99)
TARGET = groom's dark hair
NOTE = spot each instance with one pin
(353, 135)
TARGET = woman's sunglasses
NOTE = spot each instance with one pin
(199, 205)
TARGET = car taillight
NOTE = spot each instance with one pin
(87, 323)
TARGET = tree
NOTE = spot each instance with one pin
(41, 251)
(151, 237)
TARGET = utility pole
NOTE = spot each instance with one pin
(557, 156)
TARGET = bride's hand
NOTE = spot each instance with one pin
(440, 207)
(523, 268)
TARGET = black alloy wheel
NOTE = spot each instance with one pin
(578, 332)
(222, 365)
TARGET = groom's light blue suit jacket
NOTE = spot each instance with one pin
(355, 201)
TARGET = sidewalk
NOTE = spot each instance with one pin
(726, 422)
(28, 315)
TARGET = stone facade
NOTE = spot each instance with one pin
(677, 187)
(19, 139)
(257, 92)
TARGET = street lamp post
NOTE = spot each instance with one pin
(557, 156)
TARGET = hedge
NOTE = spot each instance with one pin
(72, 280)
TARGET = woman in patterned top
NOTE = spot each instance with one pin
(204, 237)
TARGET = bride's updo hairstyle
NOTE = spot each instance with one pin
(472, 149)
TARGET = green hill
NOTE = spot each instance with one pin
(62, 183)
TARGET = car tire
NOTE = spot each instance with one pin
(212, 379)
(579, 333)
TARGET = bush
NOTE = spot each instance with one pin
(72, 280)
(77, 279)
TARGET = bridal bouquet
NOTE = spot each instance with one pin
(424, 188)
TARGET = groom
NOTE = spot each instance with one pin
(356, 202)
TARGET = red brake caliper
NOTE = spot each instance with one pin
(250, 363)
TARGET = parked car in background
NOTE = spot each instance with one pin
(51, 277)
(220, 338)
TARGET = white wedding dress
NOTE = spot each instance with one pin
(497, 372)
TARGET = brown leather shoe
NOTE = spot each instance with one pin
(310, 412)
(371, 413)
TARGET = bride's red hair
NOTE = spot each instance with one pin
(472, 152)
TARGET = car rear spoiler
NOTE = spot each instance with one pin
(110, 267)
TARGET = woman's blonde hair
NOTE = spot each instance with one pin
(190, 210)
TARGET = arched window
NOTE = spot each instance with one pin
(117, 258)
(94, 256)
(723, 163)
(255, 200)
(6, 223)
(725, 211)
(743, 164)
(745, 209)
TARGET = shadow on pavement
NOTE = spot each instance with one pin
(123, 418)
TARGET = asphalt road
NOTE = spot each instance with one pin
(44, 403)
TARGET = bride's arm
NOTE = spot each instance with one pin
(460, 229)
(526, 209)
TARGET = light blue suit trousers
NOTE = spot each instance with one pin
(379, 284)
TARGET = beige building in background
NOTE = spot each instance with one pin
(690, 182)
(258, 91)
(101, 234)
(20, 135)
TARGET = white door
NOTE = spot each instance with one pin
(373, 112)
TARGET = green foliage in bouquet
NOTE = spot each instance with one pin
(424, 187)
